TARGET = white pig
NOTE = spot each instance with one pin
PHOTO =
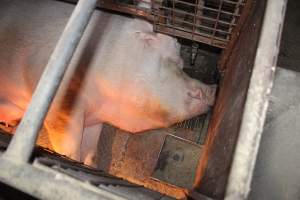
(122, 73)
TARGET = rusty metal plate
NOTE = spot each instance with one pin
(177, 162)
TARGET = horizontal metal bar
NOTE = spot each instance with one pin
(234, 2)
(45, 183)
(192, 24)
(184, 34)
(197, 16)
(207, 8)
(23, 142)
(196, 32)
(126, 8)
(151, 15)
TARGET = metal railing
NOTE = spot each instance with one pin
(207, 21)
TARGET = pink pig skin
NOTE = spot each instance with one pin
(122, 73)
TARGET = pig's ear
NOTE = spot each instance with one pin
(149, 39)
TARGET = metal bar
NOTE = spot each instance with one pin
(199, 38)
(232, 2)
(257, 102)
(125, 8)
(190, 32)
(197, 16)
(156, 17)
(192, 24)
(236, 11)
(23, 142)
(235, 34)
(45, 183)
(173, 16)
(217, 20)
(207, 8)
(194, 19)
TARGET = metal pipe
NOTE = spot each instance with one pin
(43, 182)
(22, 144)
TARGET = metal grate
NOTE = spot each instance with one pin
(207, 21)
(198, 125)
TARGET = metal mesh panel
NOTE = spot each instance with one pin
(207, 21)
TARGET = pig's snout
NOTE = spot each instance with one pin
(205, 94)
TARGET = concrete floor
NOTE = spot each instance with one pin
(289, 56)
(277, 174)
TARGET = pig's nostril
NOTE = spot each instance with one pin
(196, 95)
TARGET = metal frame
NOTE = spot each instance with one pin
(45, 183)
(257, 101)
(212, 30)
(220, 30)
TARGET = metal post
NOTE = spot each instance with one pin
(22, 144)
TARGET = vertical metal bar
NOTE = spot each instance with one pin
(246, 11)
(23, 142)
(234, 18)
(194, 18)
(173, 16)
(154, 11)
(199, 13)
(217, 21)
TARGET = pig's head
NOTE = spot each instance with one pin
(150, 90)
(181, 95)
(172, 96)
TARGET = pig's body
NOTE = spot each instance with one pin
(122, 73)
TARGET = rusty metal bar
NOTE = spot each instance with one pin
(184, 34)
(232, 2)
(23, 142)
(220, 26)
(236, 11)
(194, 17)
(193, 24)
(235, 34)
(158, 17)
(197, 16)
(129, 9)
(198, 33)
(217, 20)
(173, 15)
(207, 8)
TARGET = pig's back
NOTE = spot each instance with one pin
(29, 31)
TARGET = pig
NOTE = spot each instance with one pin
(122, 73)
